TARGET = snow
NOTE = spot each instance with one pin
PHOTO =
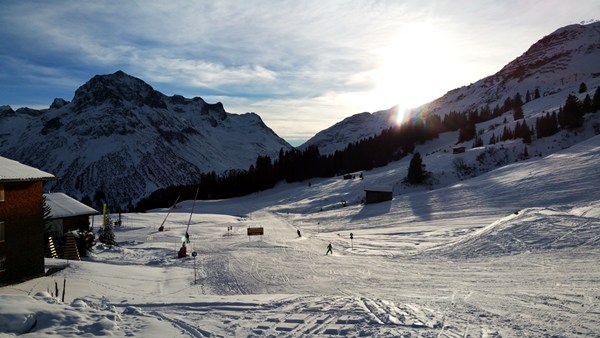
(62, 206)
(511, 253)
(11, 170)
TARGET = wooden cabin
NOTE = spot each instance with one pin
(67, 214)
(378, 194)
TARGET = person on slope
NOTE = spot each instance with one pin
(298, 231)
(329, 249)
(182, 251)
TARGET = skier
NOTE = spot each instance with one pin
(329, 249)
(298, 231)
(182, 251)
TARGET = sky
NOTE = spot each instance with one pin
(301, 65)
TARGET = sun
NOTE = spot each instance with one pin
(414, 63)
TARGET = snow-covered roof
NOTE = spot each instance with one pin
(11, 170)
(62, 206)
(379, 188)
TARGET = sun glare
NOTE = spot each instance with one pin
(414, 64)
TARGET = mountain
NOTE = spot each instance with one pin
(352, 129)
(554, 66)
(119, 139)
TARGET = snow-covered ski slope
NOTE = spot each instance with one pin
(511, 253)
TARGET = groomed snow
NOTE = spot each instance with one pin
(511, 253)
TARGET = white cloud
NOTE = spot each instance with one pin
(309, 62)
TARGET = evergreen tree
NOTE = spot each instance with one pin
(596, 100)
(492, 139)
(571, 114)
(586, 105)
(477, 142)
(527, 96)
(536, 94)
(582, 88)
(416, 170)
(106, 234)
(46, 212)
(507, 134)
(467, 132)
(518, 107)
(525, 133)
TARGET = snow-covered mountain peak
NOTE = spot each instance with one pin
(119, 139)
(554, 52)
(553, 66)
(117, 88)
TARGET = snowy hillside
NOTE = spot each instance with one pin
(120, 138)
(555, 66)
(352, 129)
(512, 253)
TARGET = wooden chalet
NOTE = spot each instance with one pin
(378, 194)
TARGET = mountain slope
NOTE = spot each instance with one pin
(555, 65)
(352, 129)
(119, 139)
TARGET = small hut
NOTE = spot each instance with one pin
(378, 194)
(68, 214)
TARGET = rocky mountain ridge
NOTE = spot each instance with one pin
(119, 139)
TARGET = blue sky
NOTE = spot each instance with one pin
(301, 65)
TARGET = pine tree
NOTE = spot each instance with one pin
(106, 234)
(525, 133)
(507, 134)
(536, 94)
(477, 142)
(596, 100)
(416, 170)
(582, 88)
(586, 105)
(46, 212)
(570, 115)
(518, 107)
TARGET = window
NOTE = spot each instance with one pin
(1, 192)
(1, 231)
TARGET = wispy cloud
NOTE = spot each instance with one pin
(308, 62)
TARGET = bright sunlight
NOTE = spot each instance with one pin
(415, 66)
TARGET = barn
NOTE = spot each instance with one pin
(21, 227)
(378, 194)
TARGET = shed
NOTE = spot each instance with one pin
(378, 194)
(67, 214)
(21, 226)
